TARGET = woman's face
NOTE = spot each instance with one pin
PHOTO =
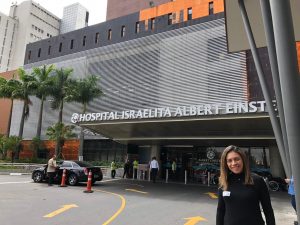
(234, 162)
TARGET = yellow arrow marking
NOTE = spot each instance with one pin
(134, 190)
(212, 195)
(194, 220)
(61, 210)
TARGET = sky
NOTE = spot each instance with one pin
(96, 8)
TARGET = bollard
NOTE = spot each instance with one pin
(185, 177)
(208, 179)
(89, 184)
(167, 175)
(149, 173)
(63, 179)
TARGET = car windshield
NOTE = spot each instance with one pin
(83, 164)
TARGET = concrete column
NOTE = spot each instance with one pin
(155, 151)
(276, 165)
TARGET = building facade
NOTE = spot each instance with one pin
(8, 29)
(171, 89)
(75, 17)
(118, 8)
(33, 23)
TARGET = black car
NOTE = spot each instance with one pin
(76, 171)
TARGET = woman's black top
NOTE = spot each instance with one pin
(239, 205)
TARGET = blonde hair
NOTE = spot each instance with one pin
(223, 180)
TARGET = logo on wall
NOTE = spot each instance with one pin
(210, 153)
(75, 118)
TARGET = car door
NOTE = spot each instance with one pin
(64, 165)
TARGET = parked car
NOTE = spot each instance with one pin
(76, 171)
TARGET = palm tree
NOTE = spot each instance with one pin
(61, 132)
(44, 84)
(61, 82)
(22, 92)
(7, 87)
(85, 91)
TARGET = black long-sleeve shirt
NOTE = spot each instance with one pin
(239, 205)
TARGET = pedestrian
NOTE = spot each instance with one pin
(135, 168)
(174, 168)
(154, 167)
(291, 192)
(51, 169)
(126, 169)
(241, 193)
(113, 168)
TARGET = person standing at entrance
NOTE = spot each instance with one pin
(154, 167)
(174, 168)
(51, 170)
(241, 193)
(126, 169)
(113, 168)
(291, 192)
(135, 168)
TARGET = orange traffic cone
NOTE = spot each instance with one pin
(63, 179)
(89, 184)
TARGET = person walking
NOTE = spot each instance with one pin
(126, 169)
(291, 192)
(113, 168)
(135, 168)
(51, 169)
(154, 167)
(240, 193)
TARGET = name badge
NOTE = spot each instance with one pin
(226, 193)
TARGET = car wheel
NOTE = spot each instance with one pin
(37, 177)
(273, 185)
(72, 179)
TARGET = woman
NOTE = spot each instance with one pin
(240, 192)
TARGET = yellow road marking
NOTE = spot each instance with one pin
(212, 195)
(61, 210)
(134, 190)
(194, 220)
(120, 209)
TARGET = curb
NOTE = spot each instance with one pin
(13, 174)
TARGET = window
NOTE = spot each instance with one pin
(97, 38)
(72, 44)
(123, 29)
(169, 18)
(49, 49)
(137, 27)
(29, 55)
(84, 41)
(210, 8)
(152, 23)
(109, 34)
(39, 53)
(60, 47)
(190, 14)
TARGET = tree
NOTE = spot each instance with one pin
(22, 92)
(13, 143)
(61, 83)
(3, 149)
(7, 87)
(61, 132)
(84, 91)
(43, 89)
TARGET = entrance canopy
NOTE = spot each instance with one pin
(242, 130)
